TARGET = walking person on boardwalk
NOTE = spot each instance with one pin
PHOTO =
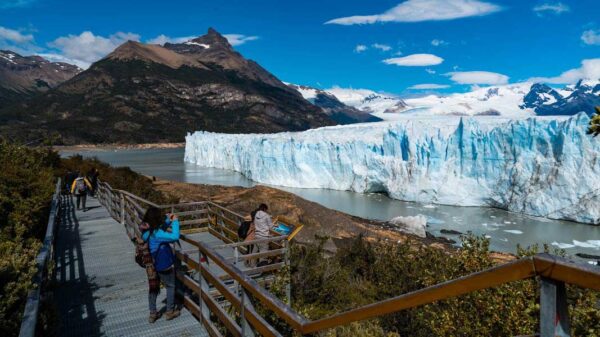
(159, 232)
(80, 187)
(262, 226)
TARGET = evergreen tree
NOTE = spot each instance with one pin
(594, 128)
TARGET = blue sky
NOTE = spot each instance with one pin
(389, 46)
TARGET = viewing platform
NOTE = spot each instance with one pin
(100, 290)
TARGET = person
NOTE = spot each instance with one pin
(79, 187)
(69, 178)
(94, 174)
(262, 227)
(160, 233)
(250, 236)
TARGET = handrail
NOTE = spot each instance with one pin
(553, 271)
(31, 312)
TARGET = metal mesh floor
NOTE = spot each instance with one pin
(101, 291)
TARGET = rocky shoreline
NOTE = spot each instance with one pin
(318, 221)
(118, 146)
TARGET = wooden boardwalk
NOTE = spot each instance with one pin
(101, 291)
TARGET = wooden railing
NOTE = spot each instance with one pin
(238, 288)
(31, 313)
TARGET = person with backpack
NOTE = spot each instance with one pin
(160, 232)
(79, 187)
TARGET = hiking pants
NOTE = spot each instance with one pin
(81, 199)
(168, 279)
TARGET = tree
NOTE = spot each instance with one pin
(594, 128)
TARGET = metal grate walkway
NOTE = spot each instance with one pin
(100, 290)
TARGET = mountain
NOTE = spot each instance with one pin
(149, 93)
(369, 101)
(519, 100)
(22, 77)
(584, 96)
(336, 110)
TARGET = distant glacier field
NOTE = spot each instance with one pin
(544, 167)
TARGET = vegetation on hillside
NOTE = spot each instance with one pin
(594, 128)
(26, 187)
(365, 272)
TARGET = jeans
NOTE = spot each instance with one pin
(81, 199)
(168, 279)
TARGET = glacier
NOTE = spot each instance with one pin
(546, 167)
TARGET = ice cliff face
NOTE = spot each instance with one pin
(541, 167)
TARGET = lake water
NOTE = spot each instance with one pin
(504, 229)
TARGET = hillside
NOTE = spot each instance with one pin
(22, 77)
(143, 93)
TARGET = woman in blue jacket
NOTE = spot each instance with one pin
(160, 232)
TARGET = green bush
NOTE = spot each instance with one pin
(365, 272)
(26, 187)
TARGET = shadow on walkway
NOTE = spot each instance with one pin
(74, 293)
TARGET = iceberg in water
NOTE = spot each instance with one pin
(538, 166)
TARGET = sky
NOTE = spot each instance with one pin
(408, 47)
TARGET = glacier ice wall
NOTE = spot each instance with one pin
(540, 167)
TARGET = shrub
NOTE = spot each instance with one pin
(365, 272)
(26, 188)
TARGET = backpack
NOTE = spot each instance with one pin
(163, 257)
(80, 186)
(243, 229)
(140, 247)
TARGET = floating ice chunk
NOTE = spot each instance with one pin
(513, 231)
(429, 206)
(584, 244)
(411, 224)
(562, 245)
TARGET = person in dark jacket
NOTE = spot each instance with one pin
(160, 232)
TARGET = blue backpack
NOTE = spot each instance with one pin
(163, 257)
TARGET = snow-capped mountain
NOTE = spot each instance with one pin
(502, 100)
(336, 110)
(369, 101)
(519, 100)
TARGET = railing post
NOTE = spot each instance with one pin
(286, 260)
(204, 310)
(122, 209)
(554, 313)
(246, 327)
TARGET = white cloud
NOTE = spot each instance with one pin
(61, 58)
(382, 47)
(360, 48)
(478, 77)
(162, 39)
(430, 71)
(239, 39)
(553, 8)
(86, 47)
(14, 36)
(426, 86)
(423, 10)
(415, 60)
(591, 37)
(437, 43)
(590, 69)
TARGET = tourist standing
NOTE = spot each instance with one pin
(262, 226)
(161, 232)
